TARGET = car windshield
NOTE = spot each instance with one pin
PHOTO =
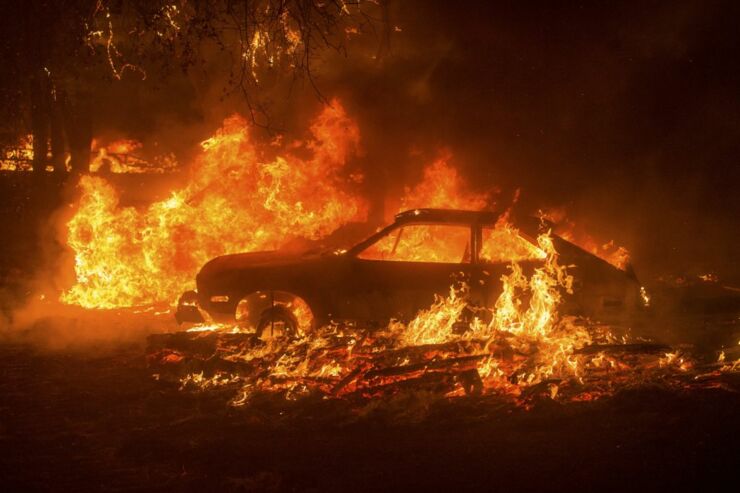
(441, 243)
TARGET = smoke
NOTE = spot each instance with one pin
(51, 326)
(30, 313)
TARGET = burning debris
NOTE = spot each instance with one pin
(514, 351)
(358, 366)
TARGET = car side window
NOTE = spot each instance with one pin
(441, 243)
(504, 244)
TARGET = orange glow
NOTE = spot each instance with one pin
(237, 199)
(567, 229)
(240, 197)
(19, 157)
(517, 346)
(423, 243)
(522, 348)
(503, 243)
(535, 323)
(442, 187)
(121, 156)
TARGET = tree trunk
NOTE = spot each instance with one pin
(39, 122)
(57, 139)
(77, 119)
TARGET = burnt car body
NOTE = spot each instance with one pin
(371, 283)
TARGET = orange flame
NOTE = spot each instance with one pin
(236, 200)
(566, 228)
(19, 157)
(442, 187)
(336, 362)
(517, 347)
(120, 156)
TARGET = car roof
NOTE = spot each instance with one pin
(447, 216)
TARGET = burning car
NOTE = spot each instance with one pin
(394, 273)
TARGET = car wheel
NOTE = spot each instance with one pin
(277, 323)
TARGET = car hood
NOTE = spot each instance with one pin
(249, 260)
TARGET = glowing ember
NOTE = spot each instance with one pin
(237, 200)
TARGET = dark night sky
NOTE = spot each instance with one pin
(625, 112)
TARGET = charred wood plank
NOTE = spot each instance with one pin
(446, 363)
(645, 348)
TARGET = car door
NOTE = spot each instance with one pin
(401, 272)
(499, 246)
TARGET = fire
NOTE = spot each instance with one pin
(566, 228)
(517, 348)
(238, 199)
(435, 325)
(442, 187)
(342, 362)
(18, 157)
(503, 243)
(242, 197)
(537, 321)
(120, 156)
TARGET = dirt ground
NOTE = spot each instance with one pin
(94, 419)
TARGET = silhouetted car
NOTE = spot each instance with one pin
(394, 273)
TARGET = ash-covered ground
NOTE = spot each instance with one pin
(81, 410)
(91, 418)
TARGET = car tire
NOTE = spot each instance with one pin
(277, 323)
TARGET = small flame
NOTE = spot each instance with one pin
(566, 228)
(122, 156)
